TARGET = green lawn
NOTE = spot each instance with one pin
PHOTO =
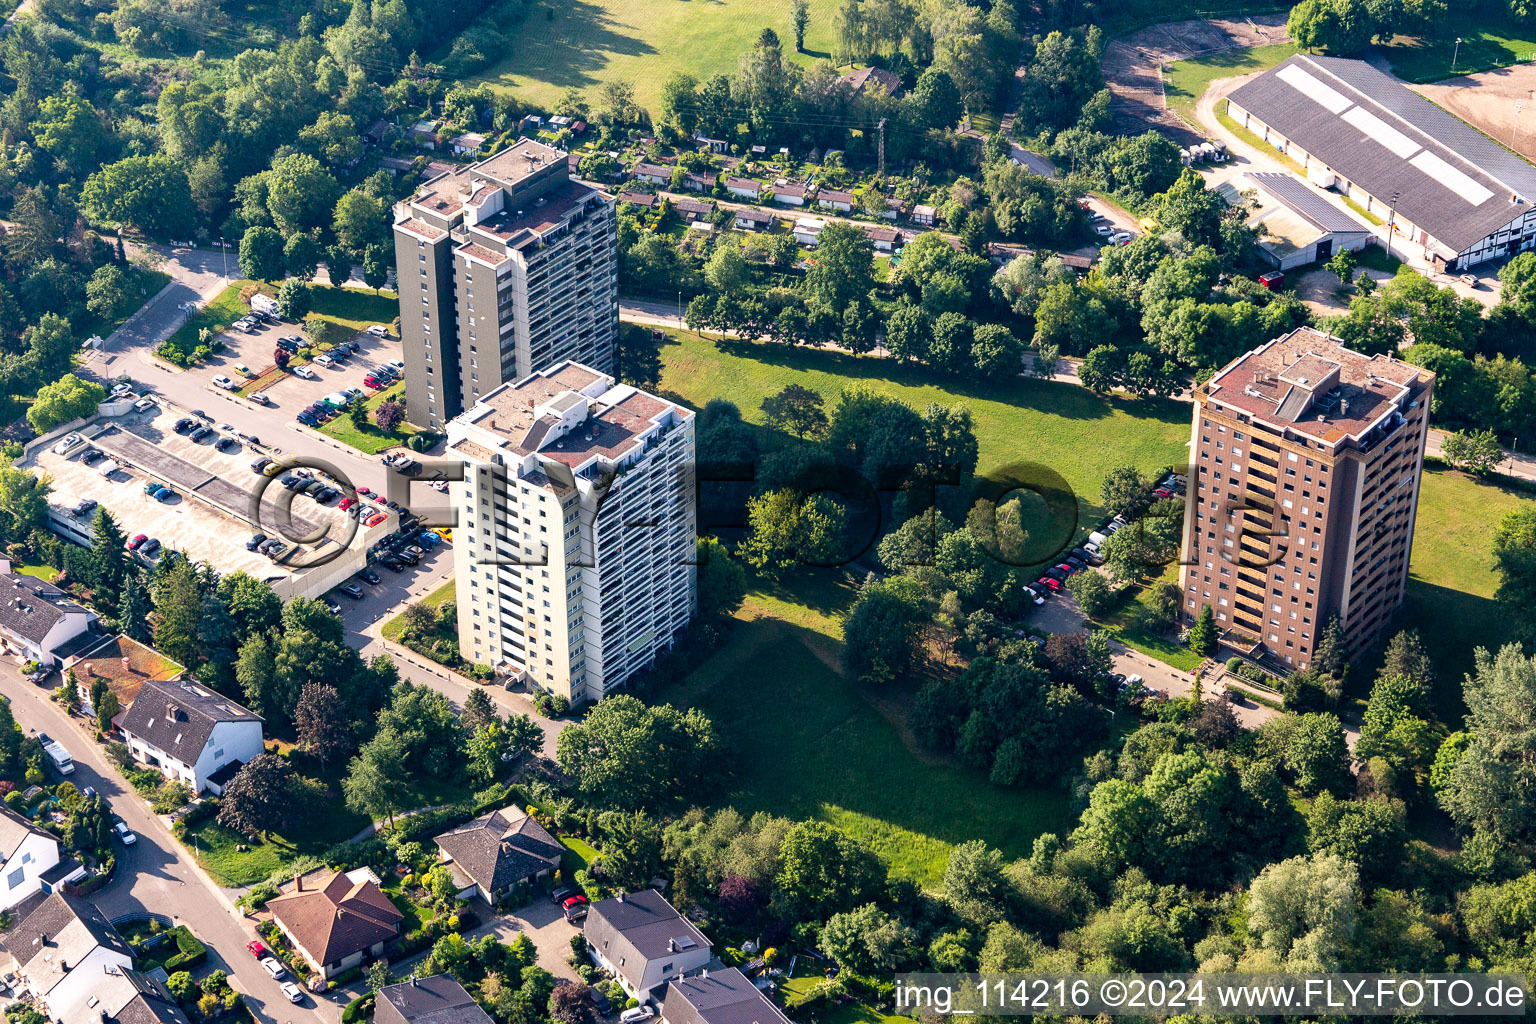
(578, 856)
(851, 1012)
(439, 597)
(584, 43)
(1486, 42)
(215, 847)
(1451, 578)
(1185, 81)
(1128, 624)
(46, 573)
(370, 440)
(1066, 428)
(809, 743)
(354, 307)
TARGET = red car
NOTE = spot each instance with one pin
(1049, 584)
(133, 545)
(347, 503)
(372, 381)
(1064, 567)
(365, 492)
(1162, 492)
(256, 949)
(574, 906)
(374, 520)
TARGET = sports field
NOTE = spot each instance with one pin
(583, 43)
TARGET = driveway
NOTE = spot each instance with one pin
(156, 874)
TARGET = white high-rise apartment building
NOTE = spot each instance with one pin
(576, 529)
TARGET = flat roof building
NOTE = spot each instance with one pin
(1304, 483)
(504, 267)
(1446, 188)
(1300, 226)
(576, 531)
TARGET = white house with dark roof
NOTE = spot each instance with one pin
(189, 732)
(38, 619)
(722, 996)
(435, 1000)
(26, 852)
(67, 955)
(643, 941)
(494, 852)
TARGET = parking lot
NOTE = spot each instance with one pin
(213, 512)
(292, 393)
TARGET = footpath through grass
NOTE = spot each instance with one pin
(1063, 427)
(1185, 81)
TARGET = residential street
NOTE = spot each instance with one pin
(156, 874)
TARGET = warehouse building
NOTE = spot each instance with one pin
(1448, 191)
(1299, 225)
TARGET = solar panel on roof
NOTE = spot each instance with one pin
(1379, 131)
(1313, 89)
(1451, 178)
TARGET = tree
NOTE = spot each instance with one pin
(722, 582)
(294, 299)
(107, 707)
(259, 798)
(487, 751)
(149, 192)
(1317, 755)
(822, 871)
(1202, 636)
(797, 410)
(358, 221)
(867, 941)
(1092, 593)
(322, 723)
(786, 528)
(1125, 491)
(1476, 451)
(377, 782)
(800, 17)
(301, 194)
(375, 266)
(1343, 266)
(338, 265)
(67, 398)
(524, 736)
(178, 612)
(726, 270)
(262, 256)
(357, 413)
(335, 138)
(1514, 556)
(975, 883)
(1191, 209)
(1303, 910)
(301, 255)
(50, 343)
(109, 556)
(389, 415)
(109, 294)
(995, 352)
(880, 630)
(845, 266)
(571, 1003)
(1490, 786)
(627, 755)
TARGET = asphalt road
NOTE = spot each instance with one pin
(155, 875)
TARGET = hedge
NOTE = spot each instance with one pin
(190, 951)
(358, 1010)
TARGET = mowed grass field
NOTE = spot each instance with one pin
(1452, 579)
(585, 43)
(1063, 427)
(1185, 81)
(1486, 43)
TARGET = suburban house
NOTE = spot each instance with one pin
(924, 215)
(37, 619)
(643, 941)
(743, 188)
(336, 920)
(435, 1000)
(396, 165)
(885, 239)
(722, 996)
(469, 142)
(496, 851)
(26, 852)
(123, 663)
(654, 174)
(861, 81)
(153, 1004)
(713, 145)
(690, 209)
(697, 182)
(377, 132)
(790, 194)
(754, 220)
(188, 732)
(646, 199)
(69, 955)
(832, 199)
(894, 209)
(808, 230)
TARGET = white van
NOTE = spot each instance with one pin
(60, 757)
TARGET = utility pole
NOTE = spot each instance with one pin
(224, 256)
(881, 129)
(1391, 220)
(1455, 53)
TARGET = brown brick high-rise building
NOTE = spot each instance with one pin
(1304, 481)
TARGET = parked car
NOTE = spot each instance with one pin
(397, 365)
(601, 1002)
(305, 372)
(379, 331)
(164, 494)
(221, 381)
(91, 456)
(83, 507)
(293, 992)
(374, 382)
(137, 541)
(290, 343)
(574, 906)
(144, 405)
(1076, 564)
(124, 834)
(324, 360)
(260, 398)
(201, 434)
(256, 540)
(374, 520)
(1035, 595)
(333, 606)
(636, 1014)
(272, 967)
(306, 419)
(69, 441)
(260, 464)
(184, 424)
(369, 576)
(149, 547)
